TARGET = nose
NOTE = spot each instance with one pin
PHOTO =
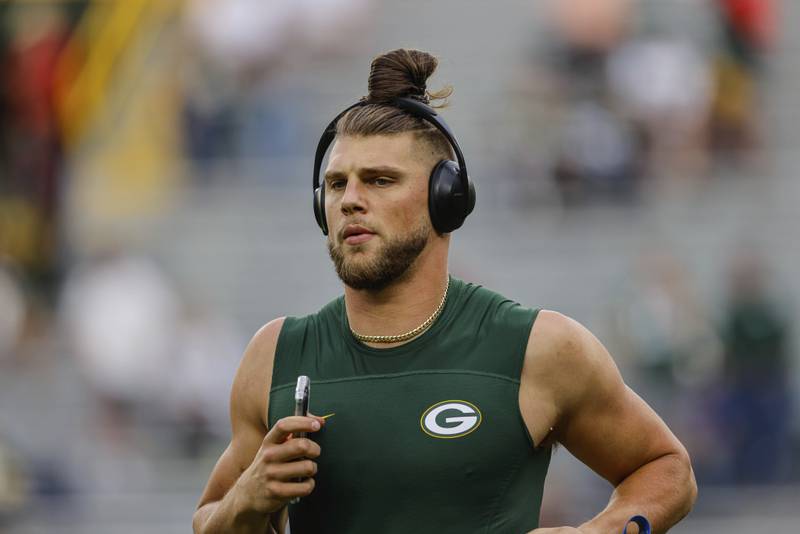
(353, 199)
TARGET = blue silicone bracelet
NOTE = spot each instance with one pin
(644, 524)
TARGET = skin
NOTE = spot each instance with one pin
(570, 389)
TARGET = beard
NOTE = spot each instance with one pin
(391, 261)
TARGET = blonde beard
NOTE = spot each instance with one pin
(391, 261)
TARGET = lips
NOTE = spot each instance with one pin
(354, 234)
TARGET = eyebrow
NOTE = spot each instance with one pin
(368, 171)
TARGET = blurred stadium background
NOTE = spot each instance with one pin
(636, 166)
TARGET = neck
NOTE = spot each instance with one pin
(400, 307)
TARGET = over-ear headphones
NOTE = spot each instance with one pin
(451, 194)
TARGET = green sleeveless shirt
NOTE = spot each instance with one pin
(426, 436)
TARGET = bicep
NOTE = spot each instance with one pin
(615, 435)
(248, 406)
(603, 422)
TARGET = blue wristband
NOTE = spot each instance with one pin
(644, 524)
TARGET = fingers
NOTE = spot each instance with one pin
(287, 490)
(292, 471)
(291, 450)
(292, 425)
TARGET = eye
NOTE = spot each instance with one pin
(336, 185)
(381, 182)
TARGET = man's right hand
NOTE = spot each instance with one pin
(283, 467)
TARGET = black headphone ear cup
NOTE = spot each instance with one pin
(471, 197)
(448, 203)
(319, 208)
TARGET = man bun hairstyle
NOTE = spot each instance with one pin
(403, 73)
(395, 74)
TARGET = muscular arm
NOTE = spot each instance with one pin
(606, 426)
(224, 507)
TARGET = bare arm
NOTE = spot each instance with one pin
(609, 428)
(255, 475)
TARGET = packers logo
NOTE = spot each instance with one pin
(450, 419)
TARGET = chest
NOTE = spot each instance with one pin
(450, 446)
(413, 430)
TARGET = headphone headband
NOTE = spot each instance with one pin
(409, 105)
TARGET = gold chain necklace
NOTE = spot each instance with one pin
(411, 333)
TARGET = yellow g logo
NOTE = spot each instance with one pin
(450, 419)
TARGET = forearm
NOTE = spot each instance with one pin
(230, 515)
(663, 491)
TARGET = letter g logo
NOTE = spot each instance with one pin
(450, 419)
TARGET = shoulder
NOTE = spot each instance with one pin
(330, 313)
(476, 292)
(260, 352)
(555, 336)
(480, 300)
(267, 336)
(565, 358)
(254, 376)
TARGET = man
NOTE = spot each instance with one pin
(442, 399)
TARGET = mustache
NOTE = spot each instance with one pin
(359, 222)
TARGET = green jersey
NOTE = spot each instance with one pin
(425, 436)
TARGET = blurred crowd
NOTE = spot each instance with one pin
(111, 111)
(638, 93)
(721, 378)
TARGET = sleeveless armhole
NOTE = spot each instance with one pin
(529, 321)
(286, 346)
